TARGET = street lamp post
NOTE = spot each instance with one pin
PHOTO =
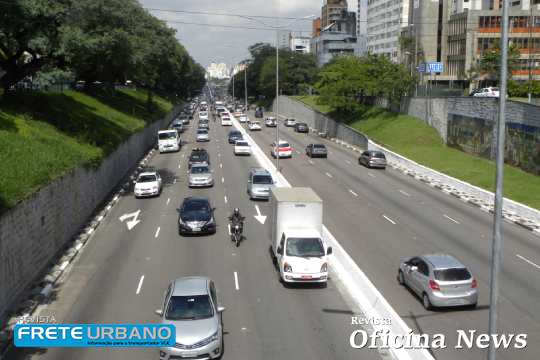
(276, 150)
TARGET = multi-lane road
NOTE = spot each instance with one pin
(377, 216)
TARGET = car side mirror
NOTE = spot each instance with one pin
(220, 309)
(280, 250)
(159, 312)
(329, 250)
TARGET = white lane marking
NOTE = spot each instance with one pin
(311, 162)
(329, 175)
(352, 192)
(222, 180)
(348, 162)
(528, 261)
(405, 193)
(168, 201)
(174, 182)
(225, 197)
(298, 152)
(389, 220)
(221, 165)
(140, 285)
(157, 232)
(179, 166)
(219, 154)
(229, 227)
(236, 285)
(183, 155)
(449, 218)
(371, 175)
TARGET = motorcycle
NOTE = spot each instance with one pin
(236, 233)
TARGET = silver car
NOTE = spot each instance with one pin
(200, 175)
(260, 183)
(191, 305)
(202, 135)
(440, 280)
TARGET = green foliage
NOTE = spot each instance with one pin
(349, 79)
(488, 66)
(521, 89)
(45, 135)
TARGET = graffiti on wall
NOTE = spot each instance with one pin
(476, 136)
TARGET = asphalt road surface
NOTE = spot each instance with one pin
(121, 274)
(381, 216)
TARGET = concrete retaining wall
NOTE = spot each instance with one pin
(319, 122)
(36, 230)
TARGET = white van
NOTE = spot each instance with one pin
(168, 140)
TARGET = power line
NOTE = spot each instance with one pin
(193, 12)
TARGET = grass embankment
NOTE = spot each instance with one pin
(420, 142)
(44, 135)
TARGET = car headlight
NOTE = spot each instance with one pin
(287, 267)
(324, 267)
(206, 341)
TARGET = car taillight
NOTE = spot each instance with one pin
(434, 286)
(474, 284)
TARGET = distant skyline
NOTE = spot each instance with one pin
(209, 44)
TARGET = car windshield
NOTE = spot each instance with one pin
(146, 178)
(189, 308)
(199, 169)
(457, 274)
(262, 179)
(305, 247)
(167, 135)
(235, 133)
(378, 155)
(284, 144)
(242, 143)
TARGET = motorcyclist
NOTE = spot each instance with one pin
(237, 218)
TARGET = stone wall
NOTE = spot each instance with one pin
(36, 230)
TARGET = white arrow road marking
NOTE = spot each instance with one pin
(329, 175)
(528, 261)
(140, 285)
(168, 201)
(352, 192)
(157, 232)
(131, 223)
(260, 218)
(405, 193)
(236, 285)
(390, 220)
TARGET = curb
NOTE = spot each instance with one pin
(42, 290)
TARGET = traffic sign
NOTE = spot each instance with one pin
(436, 67)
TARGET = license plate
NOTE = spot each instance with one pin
(196, 229)
(306, 277)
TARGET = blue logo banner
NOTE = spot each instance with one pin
(93, 335)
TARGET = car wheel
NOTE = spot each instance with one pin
(401, 278)
(426, 302)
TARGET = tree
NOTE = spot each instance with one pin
(30, 33)
(488, 66)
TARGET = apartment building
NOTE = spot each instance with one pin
(385, 22)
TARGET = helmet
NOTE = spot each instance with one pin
(236, 211)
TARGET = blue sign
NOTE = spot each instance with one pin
(93, 335)
(422, 67)
(436, 67)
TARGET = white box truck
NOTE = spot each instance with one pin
(297, 246)
(168, 140)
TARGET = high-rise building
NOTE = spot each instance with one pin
(337, 33)
(474, 27)
(316, 27)
(361, 26)
(218, 71)
(385, 21)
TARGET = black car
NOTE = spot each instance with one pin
(235, 135)
(178, 125)
(259, 113)
(372, 158)
(196, 217)
(316, 150)
(184, 118)
(301, 128)
(198, 156)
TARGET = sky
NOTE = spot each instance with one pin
(208, 44)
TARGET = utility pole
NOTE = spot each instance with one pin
(233, 98)
(245, 90)
(530, 50)
(497, 213)
(276, 150)
(415, 4)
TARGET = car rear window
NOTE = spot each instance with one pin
(319, 146)
(262, 179)
(456, 274)
(284, 145)
(378, 155)
(242, 143)
(167, 135)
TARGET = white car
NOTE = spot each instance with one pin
(283, 150)
(290, 122)
(241, 147)
(254, 125)
(237, 114)
(226, 121)
(202, 135)
(243, 118)
(147, 184)
(270, 121)
(203, 115)
(488, 92)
